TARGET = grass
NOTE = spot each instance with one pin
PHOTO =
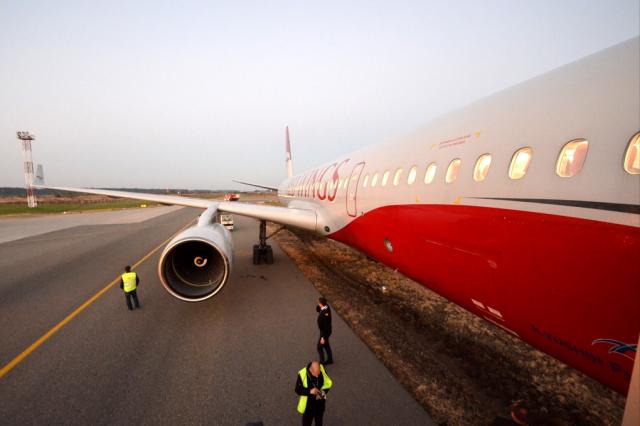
(17, 209)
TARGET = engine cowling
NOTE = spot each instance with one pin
(196, 263)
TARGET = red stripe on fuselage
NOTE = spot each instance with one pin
(556, 281)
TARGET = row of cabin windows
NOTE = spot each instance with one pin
(569, 163)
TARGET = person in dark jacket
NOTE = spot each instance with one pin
(324, 324)
(312, 385)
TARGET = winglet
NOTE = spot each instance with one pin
(288, 160)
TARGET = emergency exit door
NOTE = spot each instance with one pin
(352, 189)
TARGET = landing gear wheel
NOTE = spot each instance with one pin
(262, 252)
(269, 256)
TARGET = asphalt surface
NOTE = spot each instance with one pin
(16, 228)
(228, 361)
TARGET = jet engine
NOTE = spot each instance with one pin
(196, 264)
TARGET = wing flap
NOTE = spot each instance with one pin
(300, 218)
(270, 188)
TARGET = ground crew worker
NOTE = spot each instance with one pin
(129, 283)
(312, 385)
(324, 324)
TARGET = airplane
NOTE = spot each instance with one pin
(523, 208)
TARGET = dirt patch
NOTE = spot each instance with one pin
(460, 368)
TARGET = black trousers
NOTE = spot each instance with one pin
(310, 415)
(132, 295)
(322, 348)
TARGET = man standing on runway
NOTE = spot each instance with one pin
(129, 283)
(324, 324)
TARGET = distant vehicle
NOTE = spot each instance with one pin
(231, 197)
(226, 220)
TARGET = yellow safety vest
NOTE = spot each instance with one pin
(326, 384)
(129, 280)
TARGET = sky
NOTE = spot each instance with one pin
(193, 94)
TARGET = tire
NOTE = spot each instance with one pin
(269, 256)
(256, 255)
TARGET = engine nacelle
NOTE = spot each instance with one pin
(196, 264)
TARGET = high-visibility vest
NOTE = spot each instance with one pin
(326, 384)
(129, 280)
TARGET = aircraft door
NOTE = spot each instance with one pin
(352, 189)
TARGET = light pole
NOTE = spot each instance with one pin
(25, 140)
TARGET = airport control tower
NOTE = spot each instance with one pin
(25, 140)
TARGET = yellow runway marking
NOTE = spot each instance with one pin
(79, 309)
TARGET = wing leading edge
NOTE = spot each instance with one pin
(300, 218)
(165, 199)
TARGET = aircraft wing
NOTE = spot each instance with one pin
(300, 218)
(160, 198)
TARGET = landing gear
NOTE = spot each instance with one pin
(262, 252)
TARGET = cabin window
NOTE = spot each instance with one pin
(430, 173)
(374, 179)
(482, 167)
(632, 156)
(365, 182)
(572, 158)
(396, 176)
(385, 178)
(520, 163)
(413, 172)
(453, 169)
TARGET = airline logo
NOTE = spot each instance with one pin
(625, 349)
(319, 183)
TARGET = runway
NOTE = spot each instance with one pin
(229, 361)
(16, 228)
